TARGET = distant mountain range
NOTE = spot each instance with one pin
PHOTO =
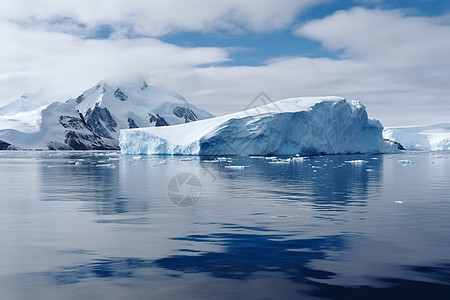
(92, 120)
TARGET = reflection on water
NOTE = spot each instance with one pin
(101, 225)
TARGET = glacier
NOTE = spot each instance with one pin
(307, 125)
(434, 137)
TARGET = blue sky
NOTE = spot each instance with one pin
(391, 55)
(258, 48)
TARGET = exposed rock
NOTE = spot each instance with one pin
(399, 146)
(80, 99)
(120, 95)
(132, 123)
(6, 146)
(99, 120)
(186, 113)
(144, 85)
(158, 120)
(79, 137)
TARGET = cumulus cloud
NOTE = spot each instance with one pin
(67, 63)
(397, 64)
(400, 58)
(155, 18)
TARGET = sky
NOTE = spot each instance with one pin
(393, 56)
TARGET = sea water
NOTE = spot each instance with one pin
(100, 225)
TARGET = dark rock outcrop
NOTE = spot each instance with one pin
(186, 113)
(399, 146)
(79, 137)
(100, 121)
(120, 95)
(158, 120)
(144, 85)
(132, 123)
(80, 99)
(5, 146)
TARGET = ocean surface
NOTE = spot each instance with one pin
(98, 225)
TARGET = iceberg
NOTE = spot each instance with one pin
(434, 137)
(307, 125)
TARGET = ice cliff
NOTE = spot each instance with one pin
(434, 137)
(327, 125)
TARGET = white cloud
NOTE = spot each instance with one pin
(403, 58)
(67, 64)
(153, 18)
(398, 65)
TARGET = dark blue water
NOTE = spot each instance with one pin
(104, 226)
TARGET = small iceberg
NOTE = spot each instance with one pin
(236, 167)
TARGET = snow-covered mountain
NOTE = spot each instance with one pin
(434, 137)
(329, 125)
(109, 107)
(27, 102)
(57, 126)
(93, 119)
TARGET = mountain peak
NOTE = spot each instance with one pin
(119, 81)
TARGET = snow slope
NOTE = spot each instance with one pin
(26, 103)
(426, 138)
(309, 125)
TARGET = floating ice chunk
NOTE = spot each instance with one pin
(405, 161)
(398, 202)
(356, 161)
(111, 166)
(113, 154)
(272, 158)
(236, 167)
(280, 162)
(137, 157)
(78, 163)
(298, 159)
